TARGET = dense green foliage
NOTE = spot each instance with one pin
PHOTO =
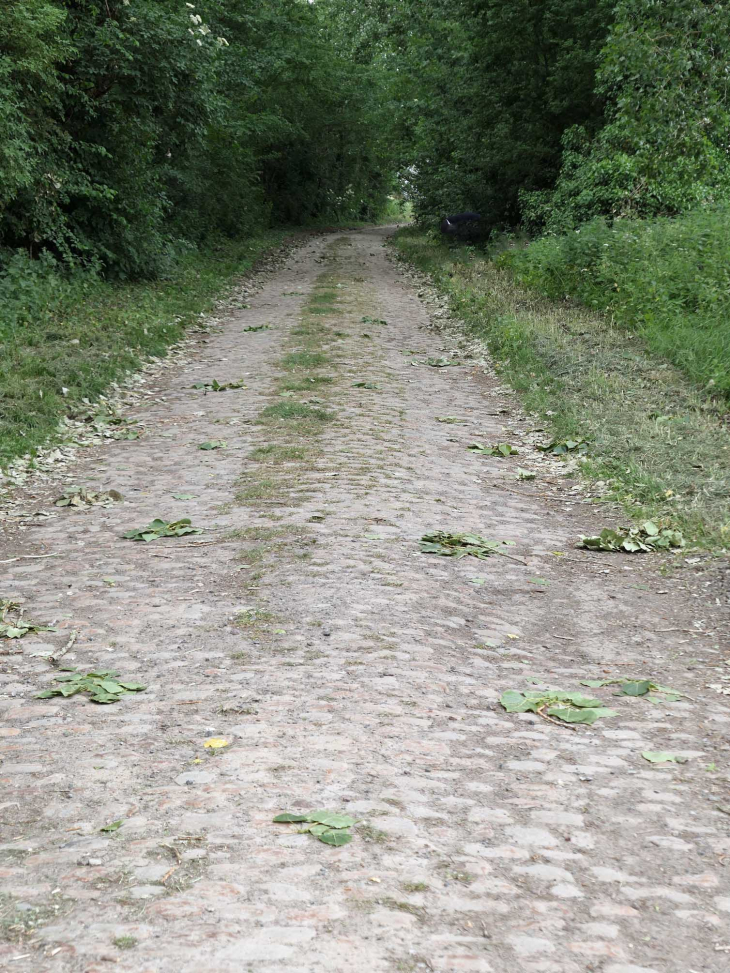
(668, 279)
(604, 124)
(551, 112)
(664, 148)
(145, 148)
(130, 129)
(494, 87)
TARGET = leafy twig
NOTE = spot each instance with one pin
(462, 545)
(642, 539)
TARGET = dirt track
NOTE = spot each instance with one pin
(350, 672)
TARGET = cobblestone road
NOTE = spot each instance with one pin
(348, 671)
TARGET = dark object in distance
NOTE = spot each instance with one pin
(463, 226)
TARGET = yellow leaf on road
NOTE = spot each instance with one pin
(215, 743)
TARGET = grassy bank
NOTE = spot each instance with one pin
(63, 339)
(661, 444)
(667, 280)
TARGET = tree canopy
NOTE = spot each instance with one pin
(132, 128)
(129, 127)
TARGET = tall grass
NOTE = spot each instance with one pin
(666, 279)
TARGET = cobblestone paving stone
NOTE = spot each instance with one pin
(350, 672)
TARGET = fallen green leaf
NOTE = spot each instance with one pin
(315, 829)
(569, 706)
(662, 757)
(114, 826)
(111, 425)
(587, 714)
(558, 447)
(102, 687)
(645, 688)
(331, 819)
(331, 827)
(214, 444)
(81, 497)
(216, 386)
(498, 449)
(635, 688)
(336, 838)
(16, 627)
(436, 362)
(162, 528)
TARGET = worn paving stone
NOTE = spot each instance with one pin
(369, 684)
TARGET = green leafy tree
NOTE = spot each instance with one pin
(32, 142)
(134, 127)
(664, 147)
(492, 88)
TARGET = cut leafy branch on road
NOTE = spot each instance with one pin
(644, 538)
(103, 686)
(162, 528)
(570, 707)
(14, 625)
(330, 827)
(463, 545)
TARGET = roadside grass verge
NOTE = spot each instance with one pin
(81, 334)
(667, 279)
(661, 445)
